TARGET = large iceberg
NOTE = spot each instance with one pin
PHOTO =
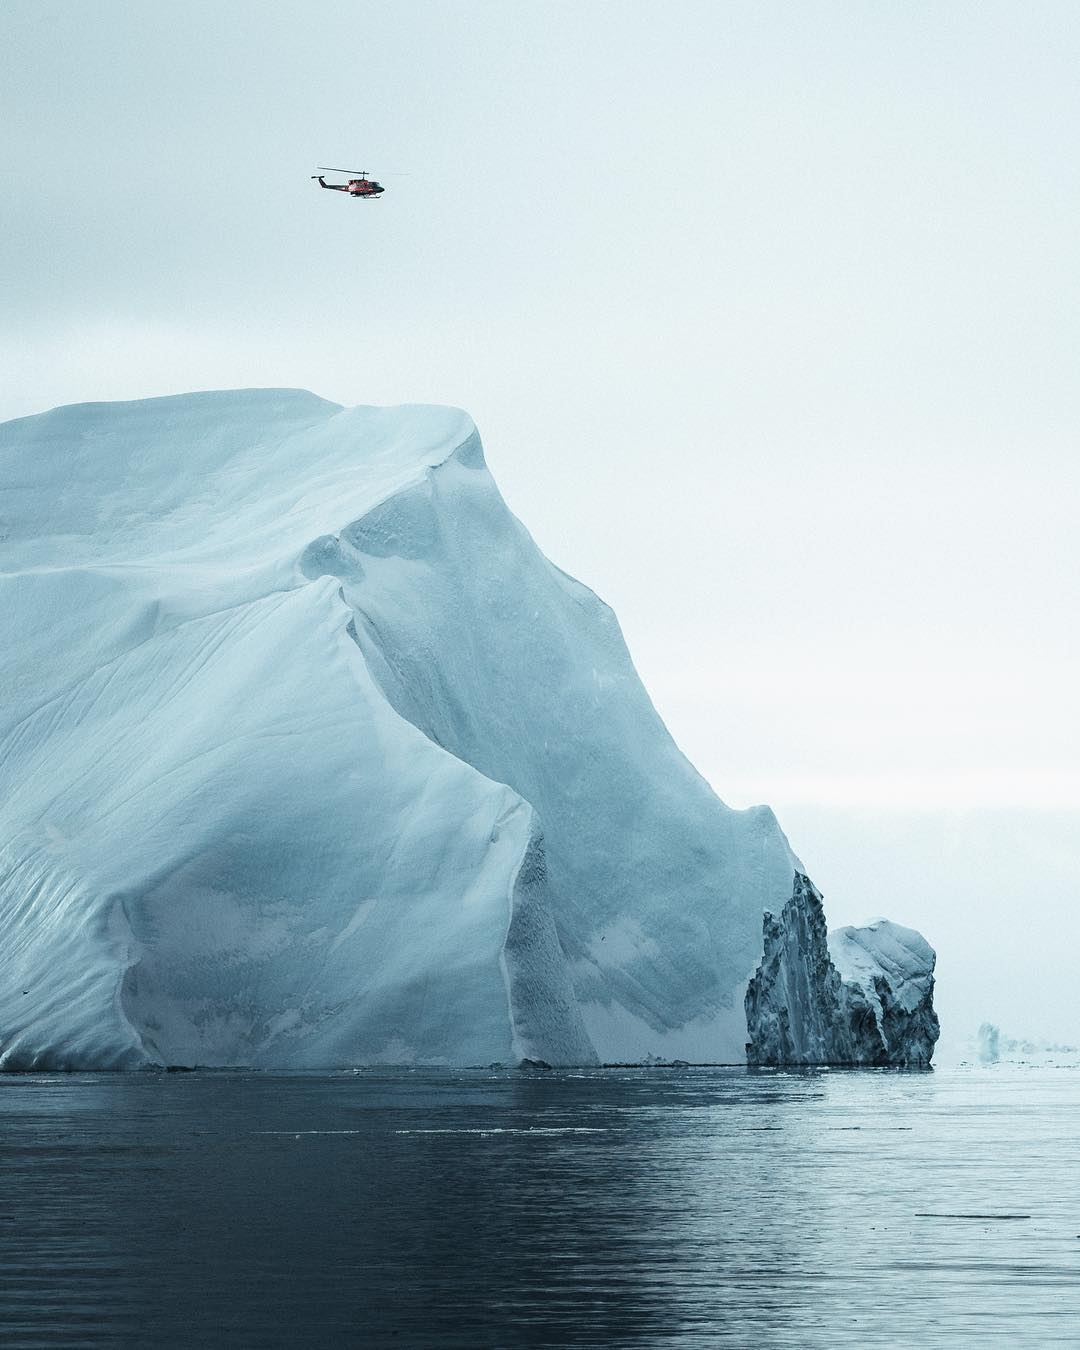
(855, 996)
(310, 758)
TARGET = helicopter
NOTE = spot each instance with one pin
(360, 186)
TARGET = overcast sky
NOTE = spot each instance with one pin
(769, 315)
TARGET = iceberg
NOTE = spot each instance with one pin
(858, 996)
(992, 1046)
(309, 758)
(988, 1039)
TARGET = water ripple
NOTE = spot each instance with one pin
(689, 1207)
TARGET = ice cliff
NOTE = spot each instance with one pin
(855, 996)
(308, 757)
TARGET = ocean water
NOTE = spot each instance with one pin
(667, 1207)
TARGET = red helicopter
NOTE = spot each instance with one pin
(362, 186)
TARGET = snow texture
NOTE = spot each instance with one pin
(857, 996)
(310, 758)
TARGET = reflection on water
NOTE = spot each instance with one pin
(683, 1207)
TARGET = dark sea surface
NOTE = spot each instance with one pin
(682, 1207)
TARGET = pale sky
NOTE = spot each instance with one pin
(769, 316)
